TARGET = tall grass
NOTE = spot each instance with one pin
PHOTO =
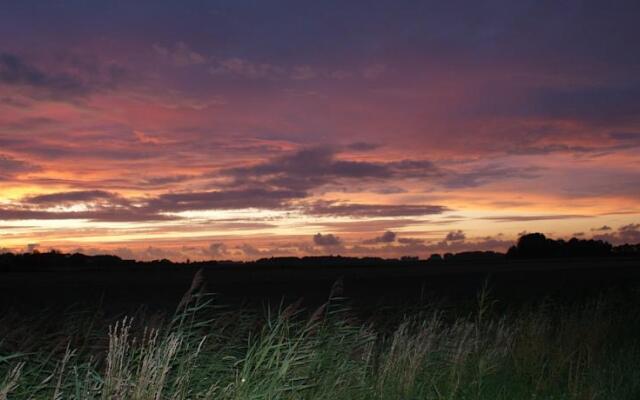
(545, 351)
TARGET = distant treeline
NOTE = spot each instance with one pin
(536, 245)
(530, 246)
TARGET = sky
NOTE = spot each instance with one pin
(249, 129)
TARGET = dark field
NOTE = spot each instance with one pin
(500, 329)
(121, 288)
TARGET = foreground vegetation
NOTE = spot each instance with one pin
(588, 350)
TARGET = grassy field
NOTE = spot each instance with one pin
(588, 349)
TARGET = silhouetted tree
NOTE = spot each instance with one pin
(537, 245)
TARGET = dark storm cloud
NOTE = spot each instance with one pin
(322, 208)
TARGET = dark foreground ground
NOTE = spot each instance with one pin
(125, 288)
(547, 329)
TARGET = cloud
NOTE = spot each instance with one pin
(253, 252)
(247, 69)
(180, 56)
(70, 197)
(387, 237)
(106, 214)
(388, 190)
(626, 137)
(31, 247)
(328, 240)
(107, 206)
(410, 241)
(81, 81)
(362, 146)
(11, 167)
(365, 226)
(629, 233)
(455, 236)
(155, 181)
(622, 141)
(324, 208)
(602, 228)
(218, 250)
(14, 71)
(313, 167)
(229, 199)
(145, 138)
(526, 218)
(598, 104)
(373, 71)
(487, 174)
(528, 150)
(303, 73)
(100, 206)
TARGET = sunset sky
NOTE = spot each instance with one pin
(248, 129)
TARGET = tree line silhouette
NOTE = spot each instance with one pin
(532, 246)
(537, 245)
